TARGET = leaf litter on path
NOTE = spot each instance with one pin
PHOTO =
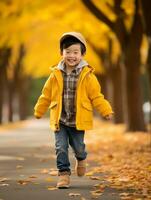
(124, 158)
(24, 182)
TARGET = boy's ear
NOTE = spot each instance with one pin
(84, 54)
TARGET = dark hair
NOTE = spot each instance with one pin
(70, 40)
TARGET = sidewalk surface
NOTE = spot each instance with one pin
(28, 170)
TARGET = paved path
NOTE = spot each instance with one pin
(26, 153)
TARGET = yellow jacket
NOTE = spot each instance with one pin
(88, 96)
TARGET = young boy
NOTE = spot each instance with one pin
(71, 92)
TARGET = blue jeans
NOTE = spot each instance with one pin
(65, 136)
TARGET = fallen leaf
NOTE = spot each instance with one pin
(96, 193)
(124, 179)
(89, 173)
(20, 158)
(149, 168)
(126, 198)
(53, 169)
(44, 160)
(4, 179)
(19, 167)
(51, 188)
(4, 184)
(53, 173)
(82, 198)
(24, 182)
(36, 183)
(33, 176)
(44, 171)
(124, 194)
(49, 179)
(94, 177)
(74, 194)
(100, 187)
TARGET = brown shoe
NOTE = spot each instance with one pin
(80, 167)
(63, 182)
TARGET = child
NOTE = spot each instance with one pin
(70, 92)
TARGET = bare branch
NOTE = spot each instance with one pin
(98, 13)
(118, 27)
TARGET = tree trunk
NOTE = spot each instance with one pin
(132, 65)
(134, 96)
(10, 100)
(149, 74)
(146, 5)
(22, 89)
(1, 92)
(21, 84)
(116, 76)
(149, 66)
(5, 54)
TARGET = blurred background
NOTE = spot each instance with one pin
(118, 35)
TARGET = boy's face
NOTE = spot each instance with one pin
(72, 55)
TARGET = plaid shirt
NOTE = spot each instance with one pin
(68, 102)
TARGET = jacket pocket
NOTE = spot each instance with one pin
(86, 114)
(53, 104)
(87, 105)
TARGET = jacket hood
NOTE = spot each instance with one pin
(82, 64)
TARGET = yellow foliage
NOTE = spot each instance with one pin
(39, 25)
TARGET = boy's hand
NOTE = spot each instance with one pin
(109, 117)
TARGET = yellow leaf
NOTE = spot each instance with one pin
(96, 193)
(82, 198)
(53, 173)
(44, 171)
(4, 179)
(74, 194)
(24, 182)
(19, 167)
(49, 179)
(51, 188)
(89, 173)
(20, 158)
(149, 168)
(4, 184)
(33, 176)
(94, 177)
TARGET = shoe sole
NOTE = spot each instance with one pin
(63, 187)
